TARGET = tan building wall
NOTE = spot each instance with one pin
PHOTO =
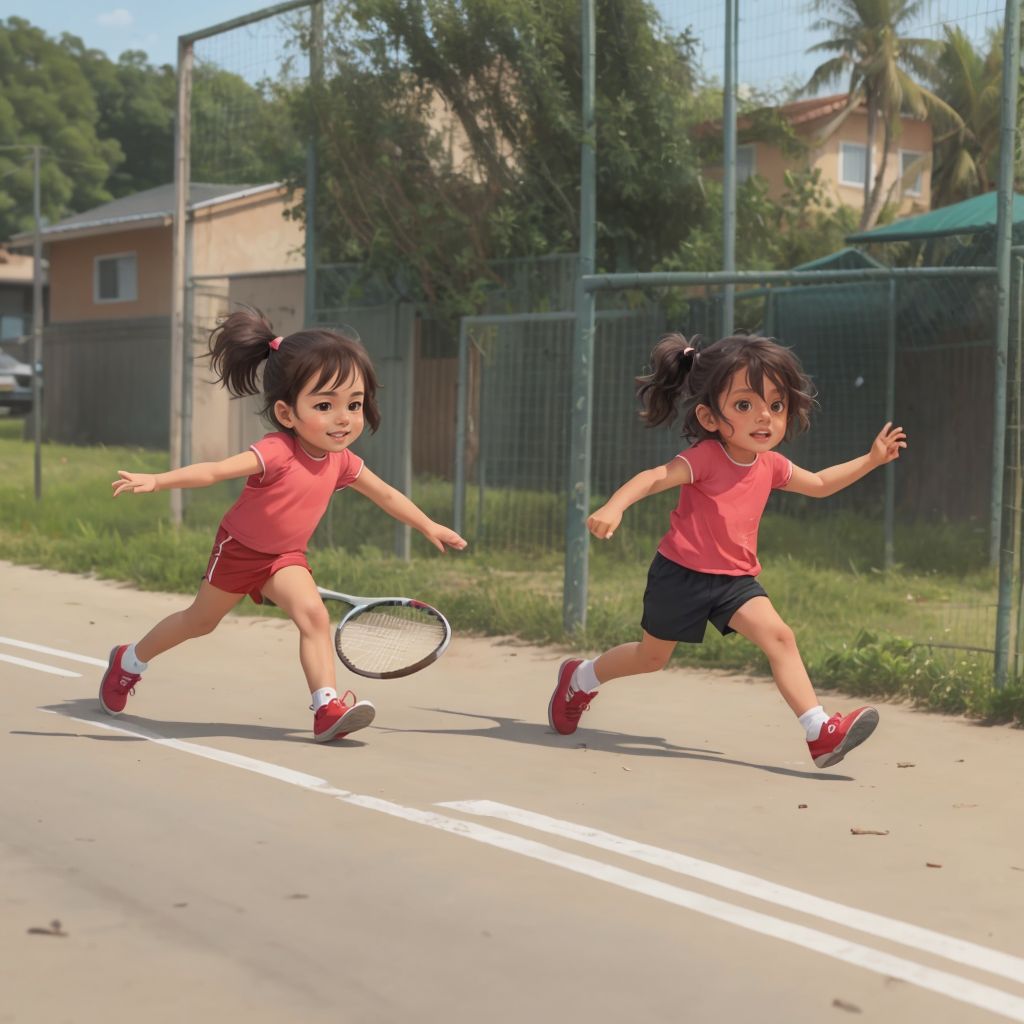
(73, 275)
(221, 425)
(247, 235)
(916, 137)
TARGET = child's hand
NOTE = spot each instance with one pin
(440, 536)
(887, 445)
(134, 483)
(604, 522)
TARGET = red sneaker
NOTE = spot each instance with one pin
(567, 704)
(840, 734)
(338, 717)
(117, 683)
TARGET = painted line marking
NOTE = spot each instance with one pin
(39, 666)
(953, 986)
(55, 651)
(924, 939)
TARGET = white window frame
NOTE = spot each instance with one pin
(752, 149)
(96, 278)
(909, 190)
(867, 163)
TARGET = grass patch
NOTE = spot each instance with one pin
(860, 629)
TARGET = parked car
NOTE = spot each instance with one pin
(15, 384)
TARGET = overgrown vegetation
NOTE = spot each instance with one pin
(861, 630)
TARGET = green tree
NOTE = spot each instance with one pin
(450, 136)
(883, 69)
(245, 133)
(46, 99)
(136, 102)
(966, 156)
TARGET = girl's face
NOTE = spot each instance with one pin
(326, 419)
(750, 424)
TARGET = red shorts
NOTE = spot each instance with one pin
(239, 570)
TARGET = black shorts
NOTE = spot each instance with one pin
(680, 602)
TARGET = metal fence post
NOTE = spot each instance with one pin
(179, 273)
(577, 547)
(461, 398)
(37, 324)
(1001, 545)
(316, 12)
(890, 413)
(732, 24)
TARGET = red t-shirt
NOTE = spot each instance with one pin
(714, 526)
(280, 507)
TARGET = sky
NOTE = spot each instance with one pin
(773, 38)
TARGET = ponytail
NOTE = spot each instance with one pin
(238, 346)
(660, 390)
(245, 342)
(682, 379)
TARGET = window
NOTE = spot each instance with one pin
(911, 186)
(746, 163)
(853, 164)
(115, 278)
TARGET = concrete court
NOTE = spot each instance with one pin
(208, 862)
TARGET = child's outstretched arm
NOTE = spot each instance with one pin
(885, 448)
(605, 521)
(199, 474)
(399, 507)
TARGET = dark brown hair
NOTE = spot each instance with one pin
(684, 375)
(240, 344)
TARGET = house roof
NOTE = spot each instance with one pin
(797, 113)
(969, 217)
(844, 259)
(149, 208)
(17, 269)
(802, 111)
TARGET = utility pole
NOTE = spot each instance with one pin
(37, 322)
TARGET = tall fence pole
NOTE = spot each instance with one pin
(461, 419)
(889, 550)
(316, 30)
(577, 546)
(179, 270)
(732, 18)
(1002, 541)
(37, 323)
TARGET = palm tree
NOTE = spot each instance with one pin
(967, 156)
(883, 70)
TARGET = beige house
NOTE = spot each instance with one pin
(843, 158)
(17, 272)
(108, 331)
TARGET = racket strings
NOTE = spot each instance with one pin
(387, 641)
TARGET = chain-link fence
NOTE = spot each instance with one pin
(477, 409)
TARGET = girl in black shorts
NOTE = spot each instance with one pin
(738, 398)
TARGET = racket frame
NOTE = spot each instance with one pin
(364, 604)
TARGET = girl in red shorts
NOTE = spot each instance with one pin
(739, 398)
(319, 390)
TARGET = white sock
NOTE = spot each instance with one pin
(323, 696)
(584, 678)
(130, 663)
(812, 721)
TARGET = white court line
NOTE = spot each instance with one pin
(55, 651)
(39, 666)
(953, 986)
(967, 953)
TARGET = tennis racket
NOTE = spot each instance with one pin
(388, 637)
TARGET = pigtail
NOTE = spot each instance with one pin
(660, 390)
(238, 345)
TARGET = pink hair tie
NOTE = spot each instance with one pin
(276, 343)
(687, 351)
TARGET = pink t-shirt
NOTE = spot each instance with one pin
(280, 507)
(714, 526)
